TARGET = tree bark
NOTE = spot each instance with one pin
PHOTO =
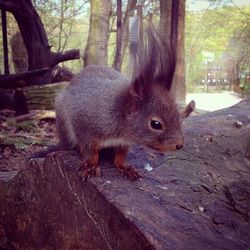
(97, 45)
(131, 6)
(195, 198)
(165, 18)
(5, 42)
(179, 84)
(19, 53)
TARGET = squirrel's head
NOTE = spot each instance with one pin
(153, 118)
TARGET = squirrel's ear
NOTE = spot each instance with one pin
(137, 89)
(137, 94)
(188, 110)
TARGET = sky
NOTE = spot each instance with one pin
(199, 5)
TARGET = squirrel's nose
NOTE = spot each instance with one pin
(179, 146)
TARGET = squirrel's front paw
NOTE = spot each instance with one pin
(90, 170)
(129, 172)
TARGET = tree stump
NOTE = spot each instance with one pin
(195, 198)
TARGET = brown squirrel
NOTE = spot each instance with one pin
(102, 108)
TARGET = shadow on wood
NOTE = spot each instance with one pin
(196, 198)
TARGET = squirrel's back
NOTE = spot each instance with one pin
(86, 106)
(101, 107)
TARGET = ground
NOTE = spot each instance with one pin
(214, 101)
(18, 141)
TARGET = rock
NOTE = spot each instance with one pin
(195, 198)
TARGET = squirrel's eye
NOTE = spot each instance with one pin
(156, 125)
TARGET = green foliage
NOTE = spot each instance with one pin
(222, 31)
(66, 25)
(208, 37)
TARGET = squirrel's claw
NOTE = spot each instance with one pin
(90, 170)
(129, 172)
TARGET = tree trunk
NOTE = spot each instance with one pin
(117, 58)
(172, 20)
(19, 53)
(5, 42)
(130, 7)
(165, 18)
(96, 49)
(35, 38)
(179, 84)
(14, 100)
(236, 79)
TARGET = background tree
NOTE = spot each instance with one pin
(59, 18)
(97, 44)
(172, 20)
(117, 57)
(216, 40)
(211, 31)
(238, 54)
(179, 85)
(131, 5)
(35, 38)
(19, 53)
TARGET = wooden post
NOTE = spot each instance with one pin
(5, 42)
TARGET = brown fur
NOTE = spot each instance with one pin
(102, 108)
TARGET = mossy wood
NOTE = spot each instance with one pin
(42, 97)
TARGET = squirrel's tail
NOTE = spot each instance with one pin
(43, 153)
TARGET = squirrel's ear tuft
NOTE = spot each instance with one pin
(155, 60)
(137, 95)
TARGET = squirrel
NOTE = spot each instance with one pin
(102, 108)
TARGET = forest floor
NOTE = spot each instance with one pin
(18, 141)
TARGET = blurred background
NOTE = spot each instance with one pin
(214, 39)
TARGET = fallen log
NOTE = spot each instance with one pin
(43, 97)
(34, 97)
(196, 198)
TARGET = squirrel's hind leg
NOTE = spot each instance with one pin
(123, 166)
(91, 165)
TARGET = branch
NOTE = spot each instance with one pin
(16, 80)
(65, 56)
(7, 5)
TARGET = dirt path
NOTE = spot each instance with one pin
(214, 101)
